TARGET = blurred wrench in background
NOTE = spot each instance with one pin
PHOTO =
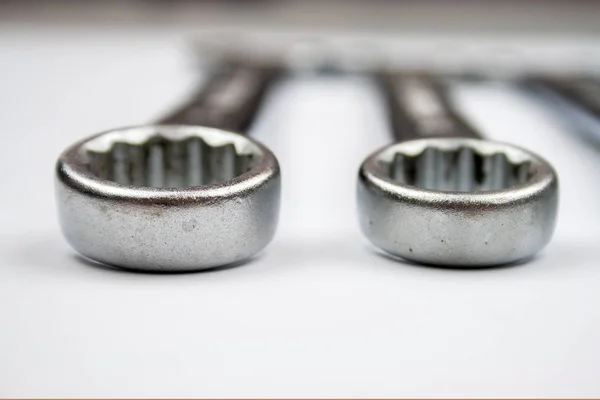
(576, 98)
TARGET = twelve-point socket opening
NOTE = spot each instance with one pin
(463, 169)
(168, 163)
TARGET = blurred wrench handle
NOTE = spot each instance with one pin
(229, 100)
(419, 107)
(582, 91)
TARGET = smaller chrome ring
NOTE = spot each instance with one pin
(168, 197)
(457, 202)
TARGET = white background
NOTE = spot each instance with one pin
(318, 313)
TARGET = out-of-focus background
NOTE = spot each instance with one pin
(510, 16)
(319, 312)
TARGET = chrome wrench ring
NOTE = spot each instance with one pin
(216, 203)
(428, 220)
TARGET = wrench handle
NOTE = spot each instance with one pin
(419, 107)
(584, 92)
(229, 100)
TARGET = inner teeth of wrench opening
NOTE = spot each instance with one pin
(162, 163)
(460, 170)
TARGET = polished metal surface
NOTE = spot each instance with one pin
(443, 196)
(181, 195)
(168, 198)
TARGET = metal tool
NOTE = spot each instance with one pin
(583, 91)
(576, 98)
(185, 194)
(180, 195)
(444, 196)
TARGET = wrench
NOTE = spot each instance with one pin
(185, 194)
(442, 195)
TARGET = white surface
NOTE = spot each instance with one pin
(320, 312)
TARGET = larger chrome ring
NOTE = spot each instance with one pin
(457, 202)
(168, 198)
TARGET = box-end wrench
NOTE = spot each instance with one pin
(181, 195)
(444, 196)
